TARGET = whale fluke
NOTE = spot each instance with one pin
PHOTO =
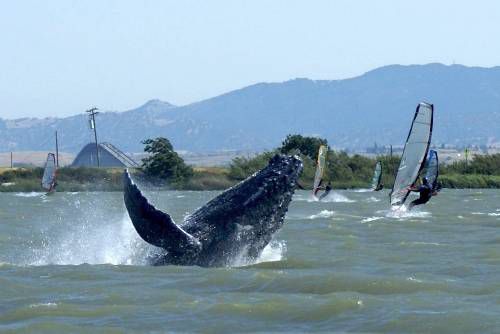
(154, 226)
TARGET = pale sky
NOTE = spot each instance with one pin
(57, 58)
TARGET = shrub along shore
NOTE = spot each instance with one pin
(165, 169)
(344, 171)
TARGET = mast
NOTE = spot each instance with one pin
(57, 152)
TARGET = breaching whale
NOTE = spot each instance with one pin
(239, 222)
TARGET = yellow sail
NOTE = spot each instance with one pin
(320, 168)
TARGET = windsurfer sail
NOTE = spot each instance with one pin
(432, 172)
(320, 169)
(377, 177)
(414, 153)
(49, 173)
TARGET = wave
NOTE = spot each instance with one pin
(333, 197)
(371, 219)
(372, 199)
(322, 214)
(362, 190)
(402, 212)
(30, 194)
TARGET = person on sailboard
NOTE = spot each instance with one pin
(327, 189)
(426, 192)
(379, 187)
(318, 188)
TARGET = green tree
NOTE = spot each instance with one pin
(164, 163)
(242, 167)
(308, 146)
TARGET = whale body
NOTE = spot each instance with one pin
(241, 221)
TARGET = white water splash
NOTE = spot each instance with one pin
(371, 219)
(332, 197)
(46, 305)
(115, 243)
(403, 213)
(372, 199)
(420, 243)
(30, 194)
(274, 251)
(413, 279)
(322, 214)
(362, 190)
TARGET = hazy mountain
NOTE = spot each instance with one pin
(353, 113)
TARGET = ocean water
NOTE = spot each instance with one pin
(73, 263)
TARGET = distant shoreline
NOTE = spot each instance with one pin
(204, 178)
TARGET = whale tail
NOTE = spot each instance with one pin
(155, 226)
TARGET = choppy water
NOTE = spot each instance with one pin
(72, 262)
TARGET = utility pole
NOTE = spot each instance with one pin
(11, 164)
(57, 152)
(92, 112)
(392, 163)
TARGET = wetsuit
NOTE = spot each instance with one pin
(328, 188)
(425, 195)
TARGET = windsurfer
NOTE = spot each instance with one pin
(426, 192)
(327, 189)
(319, 187)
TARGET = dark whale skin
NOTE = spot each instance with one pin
(239, 222)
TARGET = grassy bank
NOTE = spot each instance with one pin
(104, 179)
(208, 178)
(68, 179)
(470, 181)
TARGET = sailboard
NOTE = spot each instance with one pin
(414, 153)
(377, 176)
(320, 168)
(432, 167)
(49, 173)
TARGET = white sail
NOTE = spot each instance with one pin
(414, 153)
(49, 173)
(320, 168)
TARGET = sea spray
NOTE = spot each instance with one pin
(403, 213)
(333, 197)
(111, 243)
(274, 251)
(322, 214)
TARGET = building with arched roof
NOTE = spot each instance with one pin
(109, 156)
